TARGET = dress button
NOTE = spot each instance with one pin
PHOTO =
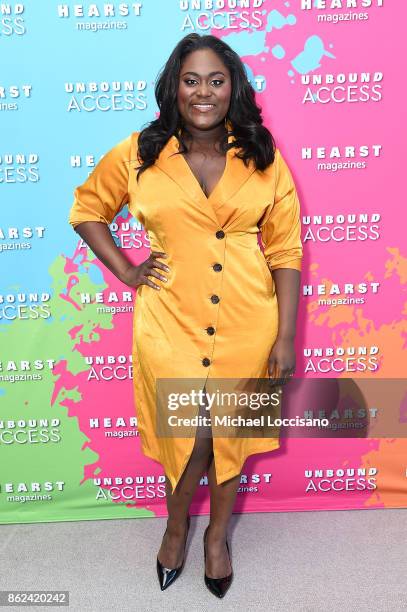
(206, 361)
(210, 330)
(217, 267)
(220, 234)
(215, 299)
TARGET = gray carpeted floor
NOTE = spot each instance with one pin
(295, 561)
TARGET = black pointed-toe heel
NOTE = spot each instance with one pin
(166, 575)
(217, 586)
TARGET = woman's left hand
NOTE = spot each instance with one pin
(281, 362)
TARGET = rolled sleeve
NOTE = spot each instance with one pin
(281, 227)
(105, 191)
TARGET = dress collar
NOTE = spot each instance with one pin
(235, 174)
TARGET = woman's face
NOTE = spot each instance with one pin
(204, 89)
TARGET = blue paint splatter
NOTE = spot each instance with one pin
(253, 42)
(278, 21)
(309, 59)
(246, 43)
(258, 82)
(278, 51)
(95, 275)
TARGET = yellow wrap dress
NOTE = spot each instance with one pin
(217, 315)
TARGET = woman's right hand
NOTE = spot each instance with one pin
(98, 237)
(138, 275)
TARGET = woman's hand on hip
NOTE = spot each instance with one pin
(139, 275)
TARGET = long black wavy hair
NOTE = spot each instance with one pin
(254, 139)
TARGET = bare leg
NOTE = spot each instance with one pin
(223, 498)
(178, 501)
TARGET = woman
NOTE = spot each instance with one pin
(203, 179)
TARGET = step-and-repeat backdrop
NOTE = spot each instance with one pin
(76, 78)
